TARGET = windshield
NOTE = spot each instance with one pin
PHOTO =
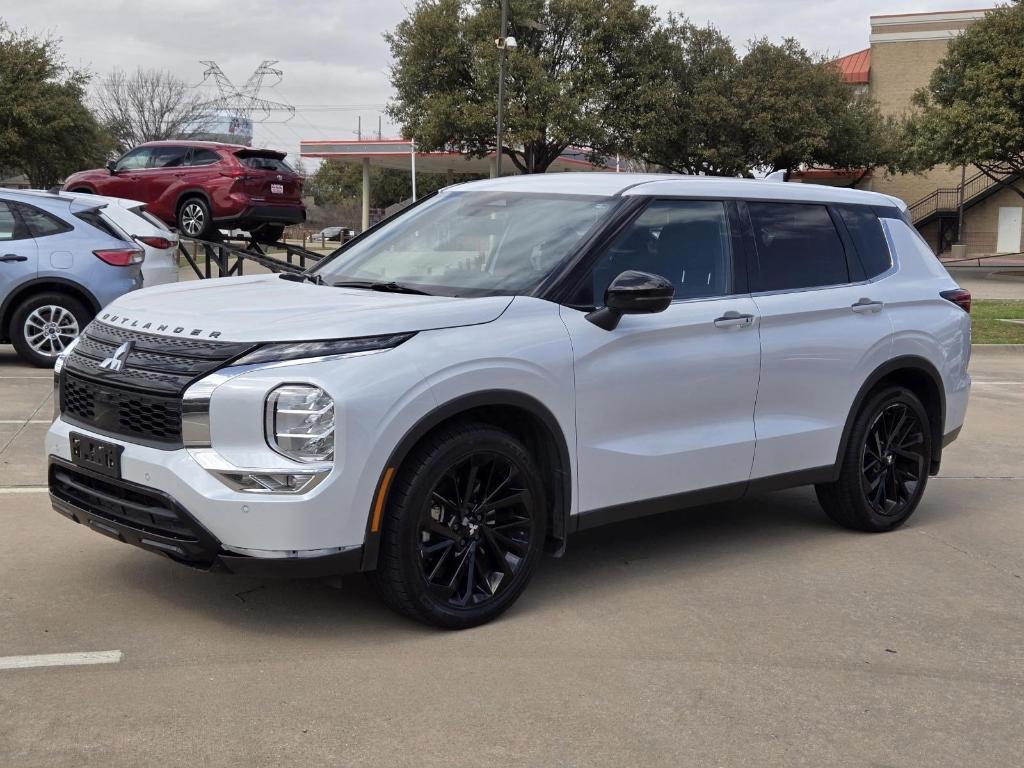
(471, 243)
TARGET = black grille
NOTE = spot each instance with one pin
(123, 503)
(143, 399)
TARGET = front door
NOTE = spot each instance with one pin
(128, 180)
(665, 402)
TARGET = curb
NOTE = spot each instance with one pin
(996, 349)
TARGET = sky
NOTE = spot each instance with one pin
(333, 53)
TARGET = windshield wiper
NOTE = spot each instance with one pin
(389, 287)
(302, 277)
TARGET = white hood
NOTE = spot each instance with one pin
(267, 308)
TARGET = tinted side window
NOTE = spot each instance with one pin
(137, 158)
(10, 227)
(204, 157)
(797, 246)
(685, 241)
(868, 239)
(168, 157)
(40, 223)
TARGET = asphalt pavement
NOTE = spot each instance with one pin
(755, 633)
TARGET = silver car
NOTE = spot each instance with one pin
(60, 262)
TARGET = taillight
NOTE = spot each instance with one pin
(233, 173)
(160, 243)
(960, 297)
(120, 257)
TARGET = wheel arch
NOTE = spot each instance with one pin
(192, 192)
(522, 415)
(42, 285)
(919, 376)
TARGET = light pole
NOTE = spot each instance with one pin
(503, 43)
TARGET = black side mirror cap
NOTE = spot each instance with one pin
(632, 293)
(112, 166)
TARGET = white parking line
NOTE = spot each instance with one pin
(60, 659)
(24, 421)
(25, 489)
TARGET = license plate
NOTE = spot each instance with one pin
(89, 453)
(277, 189)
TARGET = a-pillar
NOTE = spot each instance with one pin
(366, 193)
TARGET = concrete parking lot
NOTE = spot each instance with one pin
(748, 634)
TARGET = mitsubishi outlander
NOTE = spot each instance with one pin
(463, 387)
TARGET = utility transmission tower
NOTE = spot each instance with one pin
(231, 113)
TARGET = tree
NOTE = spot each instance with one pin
(573, 58)
(149, 105)
(972, 111)
(777, 108)
(335, 182)
(46, 130)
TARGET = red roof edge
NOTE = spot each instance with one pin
(855, 67)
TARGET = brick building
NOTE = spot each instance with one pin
(904, 50)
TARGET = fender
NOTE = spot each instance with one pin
(895, 365)
(463, 404)
(191, 192)
(40, 284)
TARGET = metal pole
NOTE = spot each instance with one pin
(960, 207)
(366, 194)
(359, 128)
(380, 134)
(501, 82)
(412, 147)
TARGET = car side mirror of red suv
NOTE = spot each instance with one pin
(112, 167)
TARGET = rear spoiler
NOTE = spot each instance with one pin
(249, 152)
(80, 206)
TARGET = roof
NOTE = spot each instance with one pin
(628, 184)
(855, 67)
(193, 143)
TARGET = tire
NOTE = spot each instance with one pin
(884, 470)
(194, 218)
(43, 325)
(445, 560)
(267, 234)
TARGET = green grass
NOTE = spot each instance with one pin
(986, 321)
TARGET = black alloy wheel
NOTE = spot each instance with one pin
(475, 530)
(884, 470)
(463, 528)
(892, 462)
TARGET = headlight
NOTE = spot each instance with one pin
(300, 423)
(273, 353)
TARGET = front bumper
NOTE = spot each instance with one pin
(152, 520)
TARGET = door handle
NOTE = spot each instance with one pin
(865, 305)
(8, 257)
(733, 319)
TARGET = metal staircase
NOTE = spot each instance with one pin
(946, 201)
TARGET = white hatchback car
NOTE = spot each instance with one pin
(509, 361)
(159, 241)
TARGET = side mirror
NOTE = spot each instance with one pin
(112, 167)
(632, 293)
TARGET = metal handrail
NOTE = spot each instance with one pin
(948, 198)
(220, 254)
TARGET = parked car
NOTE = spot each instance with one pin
(201, 187)
(157, 240)
(511, 361)
(60, 262)
(335, 234)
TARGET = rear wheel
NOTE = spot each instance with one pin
(464, 528)
(45, 324)
(885, 469)
(267, 234)
(194, 218)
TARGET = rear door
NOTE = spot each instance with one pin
(19, 260)
(823, 331)
(269, 178)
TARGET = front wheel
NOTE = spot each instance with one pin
(44, 325)
(464, 527)
(885, 468)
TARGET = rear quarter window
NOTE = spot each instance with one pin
(95, 220)
(149, 218)
(869, 240)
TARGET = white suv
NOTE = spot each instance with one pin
(509, 361)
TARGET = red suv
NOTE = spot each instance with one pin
(201, 187)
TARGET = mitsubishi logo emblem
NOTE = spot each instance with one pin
(115, 362)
